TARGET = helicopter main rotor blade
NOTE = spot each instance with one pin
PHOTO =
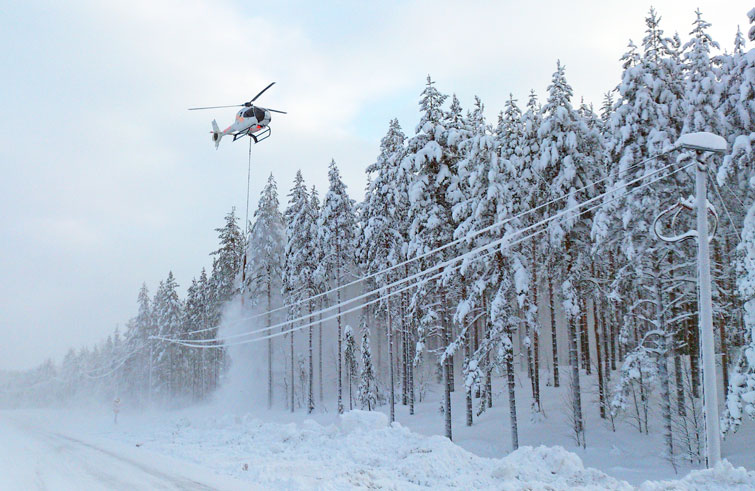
(275, 111)
(214, 107)
(261, 92)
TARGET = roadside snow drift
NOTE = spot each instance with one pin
(363, 450)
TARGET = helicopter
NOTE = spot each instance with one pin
(251, 120)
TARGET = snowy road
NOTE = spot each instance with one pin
(35, 457)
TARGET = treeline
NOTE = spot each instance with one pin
(480, 242)
(137, 365)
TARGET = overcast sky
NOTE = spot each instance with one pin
(107, 181)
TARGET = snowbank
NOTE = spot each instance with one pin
(357, 420)
(722, 476)
(362, 450)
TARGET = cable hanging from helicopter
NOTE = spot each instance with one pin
(252, 121)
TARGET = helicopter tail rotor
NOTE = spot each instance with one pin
(216, 134)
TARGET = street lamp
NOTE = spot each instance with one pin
(706, 142)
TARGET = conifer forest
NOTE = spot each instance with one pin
(485, 262)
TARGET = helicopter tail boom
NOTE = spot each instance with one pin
(216, 134)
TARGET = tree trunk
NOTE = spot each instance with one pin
(536, 336)
(478, 328)
(575, 386)
(412, 357)
(554, 339)
(721, 321)
(323, 302)
(390, 359)
(467, 389)
(579, 428)
(598, 360)
(340, 340)
(310, 394)
(292, 366)
(404, 355)
(606, 349)
(446, 369)
(585, 338)
(612, 329)
(663, 369)
(269, 349)
(694, 352)
(512, 394)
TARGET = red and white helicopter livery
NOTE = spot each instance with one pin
(251, 120)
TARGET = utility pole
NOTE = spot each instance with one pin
(699, 143)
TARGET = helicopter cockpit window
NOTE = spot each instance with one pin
(259, 114)
(249, 112)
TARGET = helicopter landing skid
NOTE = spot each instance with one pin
(262, 135)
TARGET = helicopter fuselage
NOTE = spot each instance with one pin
(249, 120)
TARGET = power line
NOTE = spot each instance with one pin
(199, 343)
(468, 236)
(449, 244)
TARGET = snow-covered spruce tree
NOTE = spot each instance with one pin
(225, 277)
(318, 285)
(473, 210)
(264, 268)
(367, 391)
(431, 227)
(138, 369)
(168, 316)
(700, 108)
(384, 229)
(740, 398)
(336, 227)
(226, 266)
(514, 134)
(192, 361)
(737, 109)
(700, 104)
(350, 359)
(567, 164)
(210, 322)
(532, 189)
(645, 122)
(299, 268)
(457, 138)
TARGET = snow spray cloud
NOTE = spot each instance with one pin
(243, 386)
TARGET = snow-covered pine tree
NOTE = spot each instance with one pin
(567, 164)
(210, 322)
(300, 266)
(319, 283)
(266, 255)
(168, 316)
(138, 369)
(192, 359)
(431, 162)
(384, 219)
(740, 398)
(336, 227)
(700, 104)
(516, 168)
(226, 266)
(473, 209)
(532, 191)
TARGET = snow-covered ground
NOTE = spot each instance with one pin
(35, 453)
(211, 447)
